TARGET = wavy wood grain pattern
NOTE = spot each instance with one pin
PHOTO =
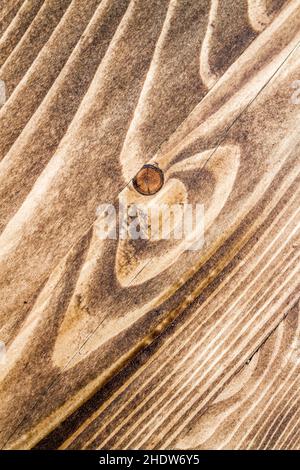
(123, 344)
(259, 408)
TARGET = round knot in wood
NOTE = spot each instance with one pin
(148, 180)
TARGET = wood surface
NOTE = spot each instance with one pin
(116, 344)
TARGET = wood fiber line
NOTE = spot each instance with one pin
(257, 408)
(18, 62)
(30, 92)
(18, 27)
(8, 12)
(284, 29)
(160, 333)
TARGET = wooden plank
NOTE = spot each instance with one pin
(76, 309)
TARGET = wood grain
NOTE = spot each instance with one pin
(259, 408)
(123, 344)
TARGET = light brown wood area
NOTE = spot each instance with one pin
(130, 344)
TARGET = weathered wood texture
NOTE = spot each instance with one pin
(118, 344)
